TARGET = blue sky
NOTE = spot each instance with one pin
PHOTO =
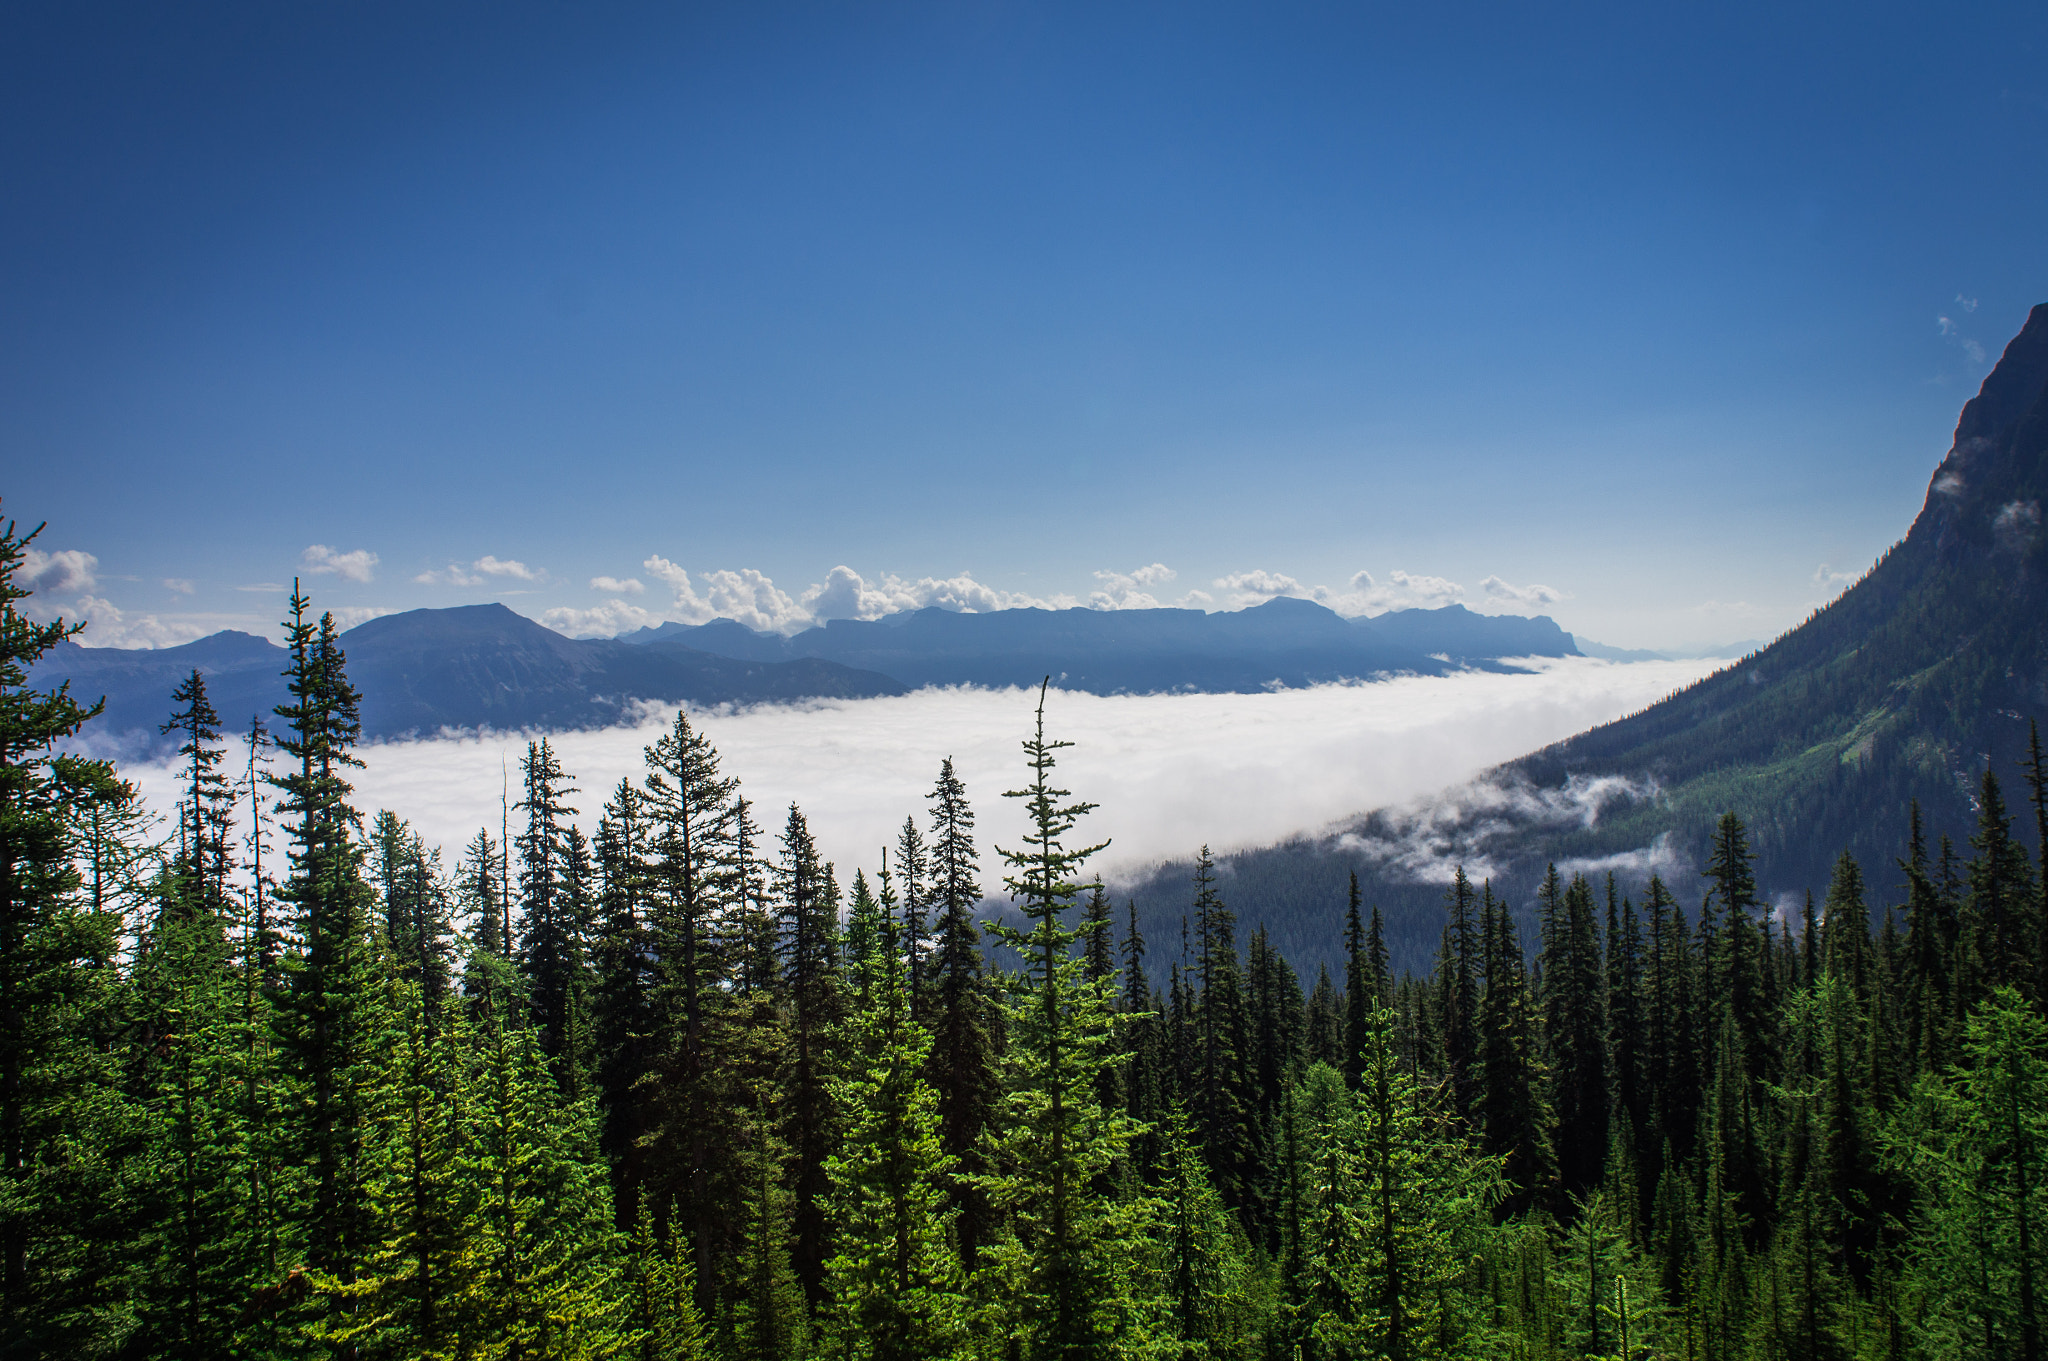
(1667, 314)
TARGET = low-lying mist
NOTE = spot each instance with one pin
(1170, 772)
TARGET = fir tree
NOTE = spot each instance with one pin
(963, 1051)
(1059, 1258)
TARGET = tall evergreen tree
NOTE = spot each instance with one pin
(1059, 1259)
(963, 1050)
(326, 1012)
(551, 948)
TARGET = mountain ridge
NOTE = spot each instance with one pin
(1907, 687)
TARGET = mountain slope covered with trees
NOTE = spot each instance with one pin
(276, 1080)
(1923, 676)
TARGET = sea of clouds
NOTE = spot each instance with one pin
(1170, 772)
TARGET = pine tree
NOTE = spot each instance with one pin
(1514, 1123)
(623, 1006)
(201, 868)
(1576, 1007)
(1207, 1259)
(1364, 988)
(1219, 1100)
(551, 948)
(913, 866)
(1058, 1261)
(817, 1009)
(538, 1266)
(325, 1012)
(894, 1286)
(1458, 991)
(1973, 1144)
(2002, 892)
(962, 1063)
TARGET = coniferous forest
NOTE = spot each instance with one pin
(276, 1079)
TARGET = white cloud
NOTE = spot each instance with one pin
(1830, 580)
(1170, 771)
(359, 565)
(477, 572)
(608, 620)
(348, 616)
(491, 566)
(1954, 334)
(58, 573)
(1967, 304)
(182, 585)
(107, 625)
(454, 576)
(616, 586)
(265, 587)
(1127, 590)
(1530, 595)
(1365, 594)
(1659, 857)
(1426, 839)
(2015, 523)
(1257, 586)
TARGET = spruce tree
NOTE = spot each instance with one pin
(894, 1287)
(326, 1011)
(552, 951)
(1059, 1259)
(963, 1046)
(201, 867)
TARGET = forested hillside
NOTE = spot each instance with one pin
(1902, 693)
(276, 1080)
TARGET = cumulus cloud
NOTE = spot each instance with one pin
(348, 616)
(1170, 771)
(1365, 594)
(618, 586)
(360, 565)
(182, 585)
(1257, 586)
(58, 573)
(454, 575)
(478, 572)
(608, 620)
(1530, 595)
(1130, 590)
(107, 625)
(518, 571)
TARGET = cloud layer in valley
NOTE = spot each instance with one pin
(1169, 771)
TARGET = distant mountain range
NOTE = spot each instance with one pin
(482, 666)
(476, 666)
(1920, 676)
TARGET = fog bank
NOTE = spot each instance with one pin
(1169, 771)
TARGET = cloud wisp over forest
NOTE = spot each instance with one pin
(1169, 771)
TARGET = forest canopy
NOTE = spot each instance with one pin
(277, 1079)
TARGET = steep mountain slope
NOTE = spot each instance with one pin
(1920, 676)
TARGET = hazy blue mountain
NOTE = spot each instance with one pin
(1463, 636)
(1905, 688)
(469, 667)
(241, 679)
(1284, 641)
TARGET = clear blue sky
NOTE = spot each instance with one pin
(1638, 304)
